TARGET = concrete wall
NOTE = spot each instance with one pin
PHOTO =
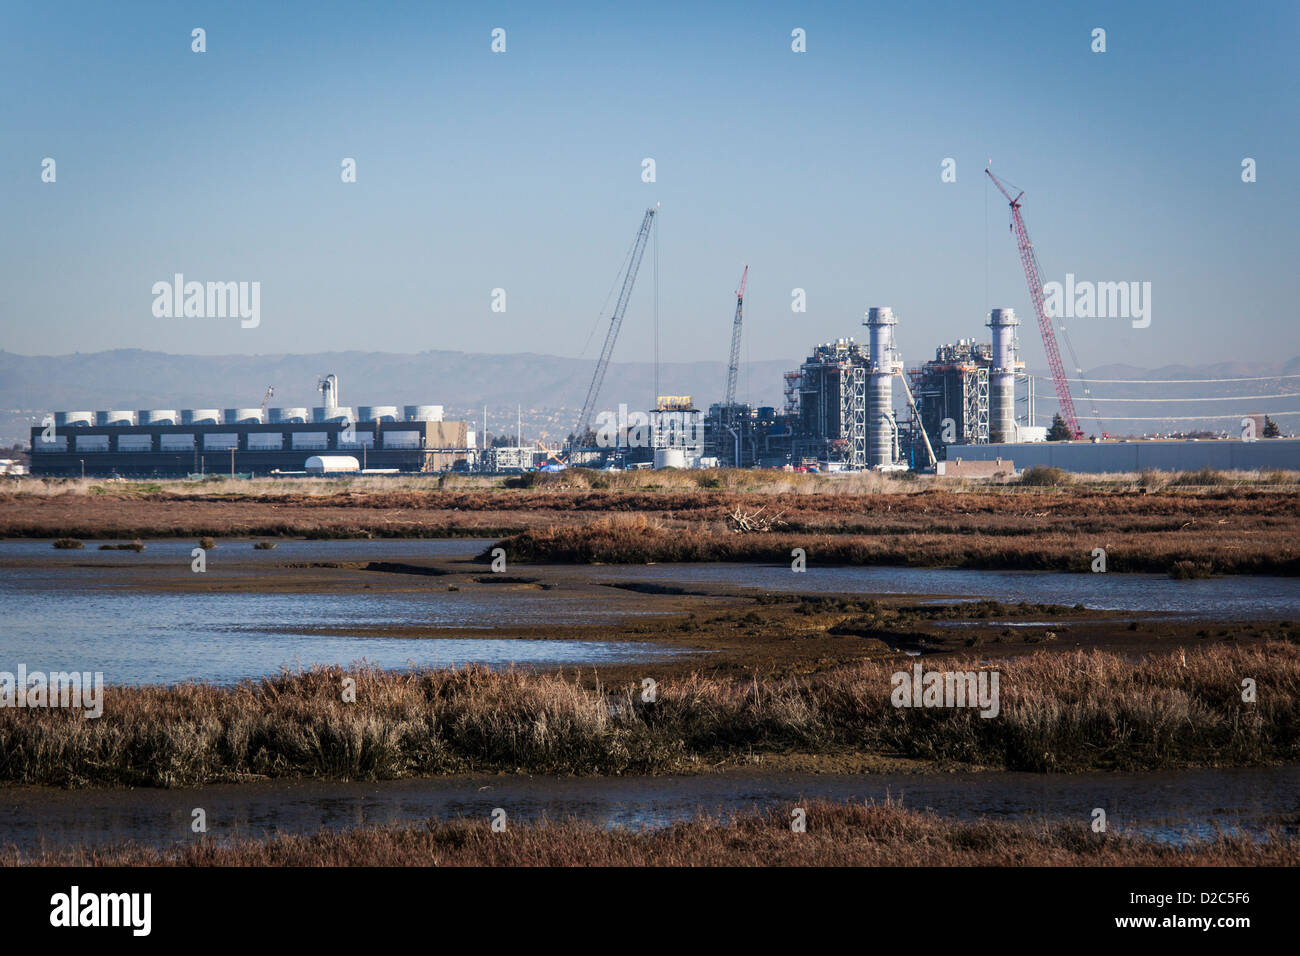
(981, 468)
(1139, 455)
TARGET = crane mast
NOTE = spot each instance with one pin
(733, 368)
(1034, 279)
(615, 321)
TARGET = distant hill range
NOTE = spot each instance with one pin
(550, 389)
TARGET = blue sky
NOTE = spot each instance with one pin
(522, 171)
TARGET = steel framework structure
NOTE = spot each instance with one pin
(615, 322)
(1034, 279)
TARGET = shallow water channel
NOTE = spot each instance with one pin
(107, 611)
(1167, 806)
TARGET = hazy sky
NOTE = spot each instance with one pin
(523, 171)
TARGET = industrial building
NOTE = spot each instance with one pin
(973, 403)
(1134, 456)
(971, 393)
(838, 412)
(252, 440)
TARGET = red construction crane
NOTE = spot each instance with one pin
(1034, 278)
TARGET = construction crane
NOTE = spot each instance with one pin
(615, 321)
(270, 390)
(733, 368)
(1034, 278)
(553, 461)
(916, 417)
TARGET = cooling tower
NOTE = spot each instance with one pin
(157, 416)
(73, 419)
(243, 416)
(335, 413)
(423, 413)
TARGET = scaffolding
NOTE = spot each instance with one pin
(832, 408)
(952, 398)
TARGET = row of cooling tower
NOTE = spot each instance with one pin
(250, 416)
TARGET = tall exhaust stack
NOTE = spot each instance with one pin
(1002, 376)
(880, 381)
(329, 389)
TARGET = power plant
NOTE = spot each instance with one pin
(973, 402)
(160, 442)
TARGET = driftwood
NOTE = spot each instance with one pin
(753, 522)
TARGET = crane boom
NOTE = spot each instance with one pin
(733, 368)
(615, 321)
(1034, 279)
(916, 416)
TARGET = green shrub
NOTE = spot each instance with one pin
(1043, 475)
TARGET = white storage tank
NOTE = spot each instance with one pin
(157, 416)
(115, 417)
(73, 420)
(289, 416)
(243, 416)
(670, 458)
(201, 416)
(423, 413)
(377, 413)
(332, 465)
(334, 413)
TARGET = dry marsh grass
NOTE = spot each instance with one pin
(1145, 544)
(1058, 712)
(725, 480)
(836, 835)
(1248, 525)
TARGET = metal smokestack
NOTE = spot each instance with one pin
(880, 379)
(1002, 376)
(329, 389)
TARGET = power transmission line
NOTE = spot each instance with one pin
(1166, 381)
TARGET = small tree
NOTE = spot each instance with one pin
(1059, 430)
(1270, 428)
